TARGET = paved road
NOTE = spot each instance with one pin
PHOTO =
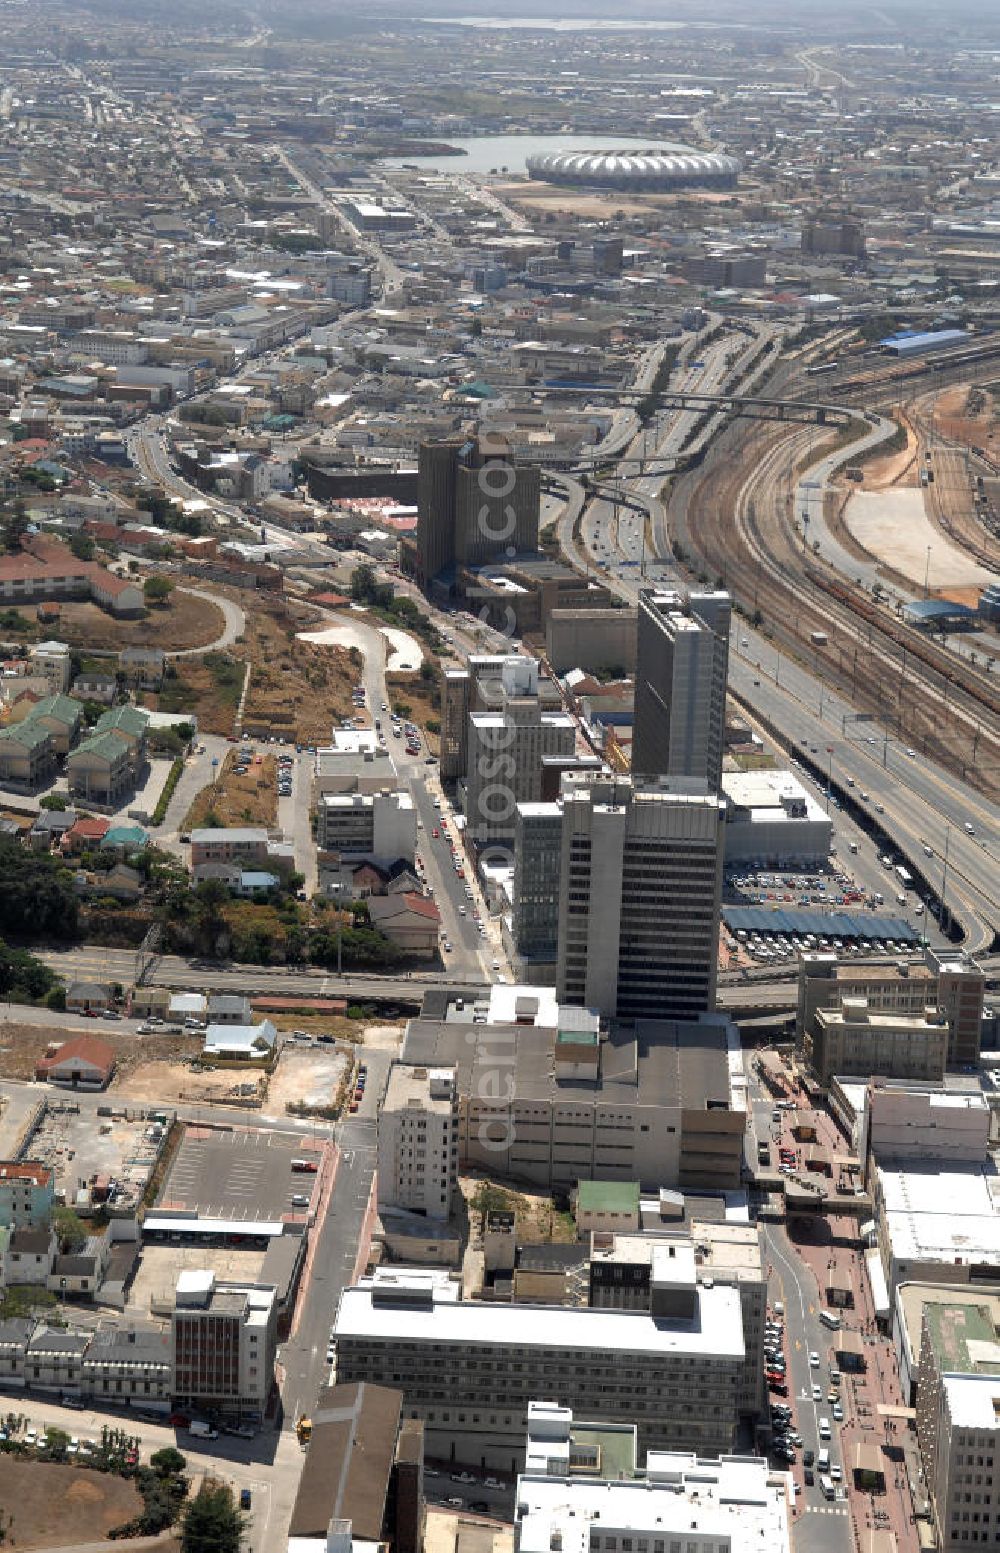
(236, 622)
(95, 961)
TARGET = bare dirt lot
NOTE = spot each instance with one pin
(170, 1083)
(296, 688)
(310, 1075)
(60, 1506)
(22, 1045)
(248, 798)
(184, 621)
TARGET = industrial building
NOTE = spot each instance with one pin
(545, 1097)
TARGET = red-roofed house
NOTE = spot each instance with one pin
(84, 834)
(84, 1062)
(409, 920)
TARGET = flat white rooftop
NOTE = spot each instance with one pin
(716, 1332)
(740, 1503)
(940, 1215)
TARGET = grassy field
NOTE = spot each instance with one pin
(53, 1506)
(250, 798)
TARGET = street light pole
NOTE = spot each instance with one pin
(927, 572)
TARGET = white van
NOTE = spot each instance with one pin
(853, 846)
(830, 1319)
(823, 1461)
(826, 1486)
(825, 1432)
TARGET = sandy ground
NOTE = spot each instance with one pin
(168, 1083)
(894, 526)
(405, 652)
(310, 1074)
(384, 1038)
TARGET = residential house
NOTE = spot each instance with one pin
(143, 667)
(85, 834)
(229, 844)
(120, 882)
(27, 755)
(60, 715)
(83, 1062)
(52, 661)
(126, 1363)
(150, 1002)
(101, 770)
(412, 922)
(240, 1043)
(49, 826)
(257, 881)
(14, 1335)
(91, 686)
(129, 723)
(54, 1360)
(81, 996)
(29, 1257)
(26, 1193)
(228, 1008)
(125, 840)
(80, 1272)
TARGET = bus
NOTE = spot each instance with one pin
(904, 876)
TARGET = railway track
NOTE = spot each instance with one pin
(885, 668)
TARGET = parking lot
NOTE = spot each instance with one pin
(240, 1175)
(770, 916)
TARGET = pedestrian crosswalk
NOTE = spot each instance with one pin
(826, 1509)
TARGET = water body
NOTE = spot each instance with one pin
(558, 24)
(486, 152)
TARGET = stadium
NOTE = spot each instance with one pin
(648, 171)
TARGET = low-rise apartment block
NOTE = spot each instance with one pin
(418, 1141)
(224, 1338)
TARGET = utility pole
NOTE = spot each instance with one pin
(944, 878)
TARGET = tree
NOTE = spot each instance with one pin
(13, 525)
(156, 590)
(71, 1231)
(167, 1461)
(55, 801)
(212, 1523)
(82, 546)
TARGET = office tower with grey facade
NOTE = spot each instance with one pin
(535, 889)
(639, 897)
(474, 504)
(507, 745)
(682, 663)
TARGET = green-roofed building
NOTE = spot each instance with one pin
(958, 1406)
(126, 840)
(130, 724)
(62, 717)
(101, 770)
(27, 755)
(607, 1205)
